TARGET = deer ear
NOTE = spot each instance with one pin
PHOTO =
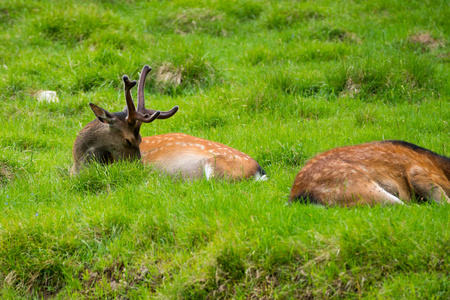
(102, 114)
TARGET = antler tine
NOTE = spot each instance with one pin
(134, 115)
(131, 116)
(147, 118)
(141, 101)
(164, 114)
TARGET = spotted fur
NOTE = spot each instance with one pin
(386, 172)
(193, 157)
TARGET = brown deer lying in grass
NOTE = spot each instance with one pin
(386, 172)
(115, 136)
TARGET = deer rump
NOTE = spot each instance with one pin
(385, 172)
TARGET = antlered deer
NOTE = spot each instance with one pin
(115, 136)
(385, 172)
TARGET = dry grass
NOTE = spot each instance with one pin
(426, 41)
(351, 89)
(168, 76)
(6, 174)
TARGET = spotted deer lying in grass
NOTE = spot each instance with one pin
(115, 136)
(386, 172)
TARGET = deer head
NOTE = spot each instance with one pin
(115, 136)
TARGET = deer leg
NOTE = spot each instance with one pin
(438, 195)
(430, 191)
(424, 186)
(342, 184)
(357, 190)
(370, 193)
(360, 188)
(360, 193)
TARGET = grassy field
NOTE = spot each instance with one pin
(278, 80)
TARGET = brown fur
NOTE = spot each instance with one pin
(386, 172)
(193, 157)
(106, 143)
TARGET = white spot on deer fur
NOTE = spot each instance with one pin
(180, 143)
(245, 158)
(47, 96)
(169, 144)
(209, 171)
(201, 146)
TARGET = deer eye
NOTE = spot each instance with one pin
(128, 142)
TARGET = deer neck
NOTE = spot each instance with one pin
(91, 144)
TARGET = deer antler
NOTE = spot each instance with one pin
(131, 116)
(141, 101)
(134, 115)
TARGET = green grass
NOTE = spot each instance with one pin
(279, 80)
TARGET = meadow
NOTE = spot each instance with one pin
(279, 80)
